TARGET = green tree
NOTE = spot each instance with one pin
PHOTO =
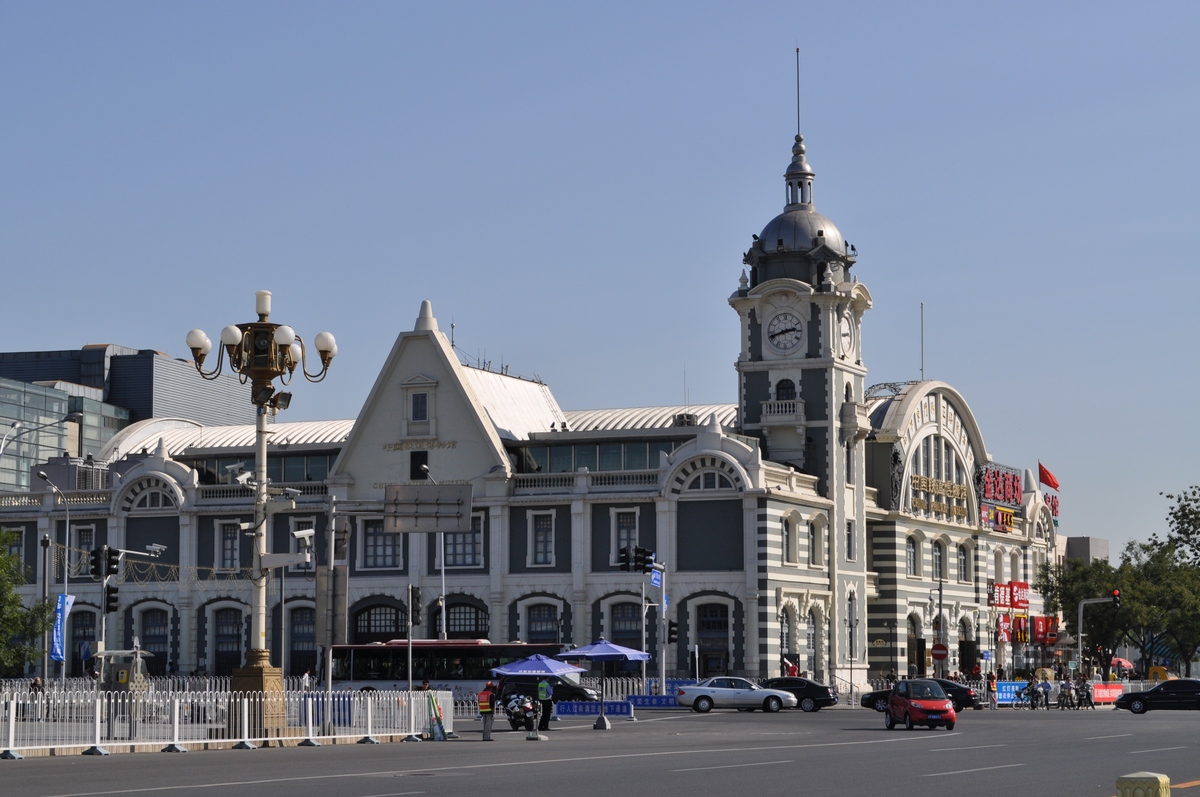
(1064, 586)
(1148, 575)
(21, 627)
(1183, 524)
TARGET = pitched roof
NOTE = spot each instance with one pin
(515, 406)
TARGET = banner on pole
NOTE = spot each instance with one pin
(58, 635)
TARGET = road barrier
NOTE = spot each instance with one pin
(98, 723)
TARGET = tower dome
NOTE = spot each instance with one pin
(800, 242)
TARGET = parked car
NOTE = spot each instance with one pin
(725, 692)
(919, 702)
(964, 697)
(1178, 694)
(877, 700)
(564, 689)
(810, 695)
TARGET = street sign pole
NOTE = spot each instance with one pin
(662, 635)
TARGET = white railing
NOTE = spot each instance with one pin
(94, 722)
(544, 481)
(776, 408)
(21, 500)
(632, 478)
(232, 492)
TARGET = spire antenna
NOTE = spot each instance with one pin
(797, 90)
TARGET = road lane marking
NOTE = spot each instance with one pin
(1158, 749)
(974, 747)
(536, 762)
(1114, 736)
(732, 766)
(965, 771)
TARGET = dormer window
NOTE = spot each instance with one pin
(710, 480)
(420, 407)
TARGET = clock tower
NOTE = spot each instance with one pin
(800, 369)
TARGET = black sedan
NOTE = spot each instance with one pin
(810, 695)
(877, 700)
(1178, 694)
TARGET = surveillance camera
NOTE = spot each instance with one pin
(303, 534)
(244, 477)
(156, 550)
(291, 492)
(236, 467)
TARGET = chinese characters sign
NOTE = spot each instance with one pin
(1013, 595)
(937, 492)
(999, 484)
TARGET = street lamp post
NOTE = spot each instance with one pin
(66, 560)
(260, 352)
(442, 568)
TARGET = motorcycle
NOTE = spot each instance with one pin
(1085, 699)
(522, 712)
(1066, 698)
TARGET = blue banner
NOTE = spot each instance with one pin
(58, 635)
(85, 650)
(1006, 691)
(580, 708)
(654, 701)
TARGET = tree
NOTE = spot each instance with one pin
(1064, 586)
(1183, 523)
(1149, 574)
(21, 627)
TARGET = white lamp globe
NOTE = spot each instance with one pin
(325, 343)
(196, 339)
(284, 335)
(231, 335)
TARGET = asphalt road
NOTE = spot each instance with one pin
(847, 752)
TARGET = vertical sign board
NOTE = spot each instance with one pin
(421, 508)
(656, 578)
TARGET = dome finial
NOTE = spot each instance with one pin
(798, 177)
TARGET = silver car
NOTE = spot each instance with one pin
(726, 692)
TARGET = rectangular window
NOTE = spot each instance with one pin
(465, 549)
(585, 457)
(543, 623)
(850, 552)
(541, 539)
(418, 461)
(850, 463)
(560, 459)
(229, 542)
(420, 407)
(624, 531)
(380, 549)
(293, 469)
(85, 537)
(14, 536)
(636, 456)
(610, 456)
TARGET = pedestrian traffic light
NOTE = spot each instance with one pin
(111, 601)
(414, 608)
(97, 565)
(112, 561)
(672, 632)
(625, 558)
(1116, 598)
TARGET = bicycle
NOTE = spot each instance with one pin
(1020, 700)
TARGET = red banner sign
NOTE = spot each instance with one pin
(1020, 594)
(1004, 628)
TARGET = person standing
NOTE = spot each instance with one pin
(487, 709)
(993, 696)
(38, 692)
(546, 699)
(306, 681)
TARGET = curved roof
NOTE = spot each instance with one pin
(889, 411)
(797, 229)
(182, 437)
(631, 418)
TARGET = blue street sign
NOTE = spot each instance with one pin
(656, 578)
(666, 601)
(986, 655)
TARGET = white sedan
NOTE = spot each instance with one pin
(725, 692)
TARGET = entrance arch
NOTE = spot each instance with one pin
(916, 647)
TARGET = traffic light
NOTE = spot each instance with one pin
(414, 608)
(112, 561)
(672, 632)
(97, 566)
(625, 558)
(643, 559)
(111, 601)
(1116, 598)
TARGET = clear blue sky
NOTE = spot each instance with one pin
(574, 187)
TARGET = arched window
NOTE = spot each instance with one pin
(964, 564)
(1015, 569)
(999, 567)
(83, 629)
(710, 480)
(789, 553)
(626, 627)
(939, 561)
(814, 545)
(378, 624)
(543, 623)
(851, 622)
(810, 644)
(155, 499)
(155, 634)
(910, 557)
(302, 639)
(228, 639)
(466, 622)
(785, 390)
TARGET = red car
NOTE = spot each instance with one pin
(919, 703)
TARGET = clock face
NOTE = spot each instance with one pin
(846, 335)
(785, 331)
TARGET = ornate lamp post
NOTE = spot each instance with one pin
(260, 352)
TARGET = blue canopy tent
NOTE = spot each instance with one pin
(602, 650)
(537, 664)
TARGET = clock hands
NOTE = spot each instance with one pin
(774, 335)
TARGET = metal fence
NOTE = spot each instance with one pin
(96, 723)
(154, 683)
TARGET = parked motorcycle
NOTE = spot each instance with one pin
(522, 712)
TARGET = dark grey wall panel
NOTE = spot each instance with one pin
(518, 539)
(143, 531)
(602, 532)
(709, 535)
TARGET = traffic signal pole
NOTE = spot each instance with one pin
(1079, 627)
(662, 635)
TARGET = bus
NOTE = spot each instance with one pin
(461, 666)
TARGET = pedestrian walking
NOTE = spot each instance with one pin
(487, 709)
(993, 696)
(306, 681)
(38, 692)
(546, 699)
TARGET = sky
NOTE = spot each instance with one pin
(573, 187)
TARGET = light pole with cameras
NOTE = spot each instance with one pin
(260, 352)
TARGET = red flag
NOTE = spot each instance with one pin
(1046, 477)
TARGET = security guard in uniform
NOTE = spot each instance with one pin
(546, 699)
(487, 709)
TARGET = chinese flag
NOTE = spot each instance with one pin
(1046, 477)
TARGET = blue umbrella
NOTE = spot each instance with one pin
(603, 650)
(537, 664)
